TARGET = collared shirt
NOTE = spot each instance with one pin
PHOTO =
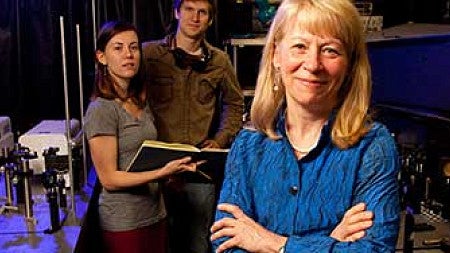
(193, 102)
(306, 199)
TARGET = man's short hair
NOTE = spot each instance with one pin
(177, 6)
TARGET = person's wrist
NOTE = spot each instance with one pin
(281, 242)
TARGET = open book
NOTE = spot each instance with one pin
(155, 154)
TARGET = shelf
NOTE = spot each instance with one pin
(409, 31)
(248, 92)
(235, 43)
(257, 41)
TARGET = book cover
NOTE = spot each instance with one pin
(155, 154)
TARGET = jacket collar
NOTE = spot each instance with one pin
(170, 42)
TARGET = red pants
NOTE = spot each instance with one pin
(151, 239)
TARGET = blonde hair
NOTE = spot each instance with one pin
(336, 18)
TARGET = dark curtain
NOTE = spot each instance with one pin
(150, 17)
(7, 61)
(31, 75)
(31, 79)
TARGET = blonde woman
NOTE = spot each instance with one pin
(316, 175)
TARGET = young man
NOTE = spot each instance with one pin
(196, 98)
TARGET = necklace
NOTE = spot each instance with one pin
(302, 151)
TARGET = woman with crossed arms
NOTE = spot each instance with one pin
(317, 174)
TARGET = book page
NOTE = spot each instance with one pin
(215, 150)
(172, 146)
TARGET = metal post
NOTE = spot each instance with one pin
(8, 170)
(8, 187)
(80, 81)
(68, 125)
(27, 173)
(94, 22)
(8, 206)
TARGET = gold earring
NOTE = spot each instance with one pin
(277, 81)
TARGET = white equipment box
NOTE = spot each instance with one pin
(6, 135)
(48, 134)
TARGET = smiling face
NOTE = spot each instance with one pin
(194, 17)
(122, 56)
(312, 67)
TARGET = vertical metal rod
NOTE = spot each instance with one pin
(8, 187)
(427, 189)
(7, 167)
(94, 22)
(80, 81)
(27, 188)
(68, 122)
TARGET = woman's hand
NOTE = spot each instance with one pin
(354, 224)
(179, 165)
(244, 232)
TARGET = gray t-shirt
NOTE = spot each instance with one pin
(133, 207)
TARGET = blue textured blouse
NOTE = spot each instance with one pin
(306, 199)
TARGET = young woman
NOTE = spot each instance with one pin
(118, 120)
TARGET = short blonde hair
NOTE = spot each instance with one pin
(336, 18)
